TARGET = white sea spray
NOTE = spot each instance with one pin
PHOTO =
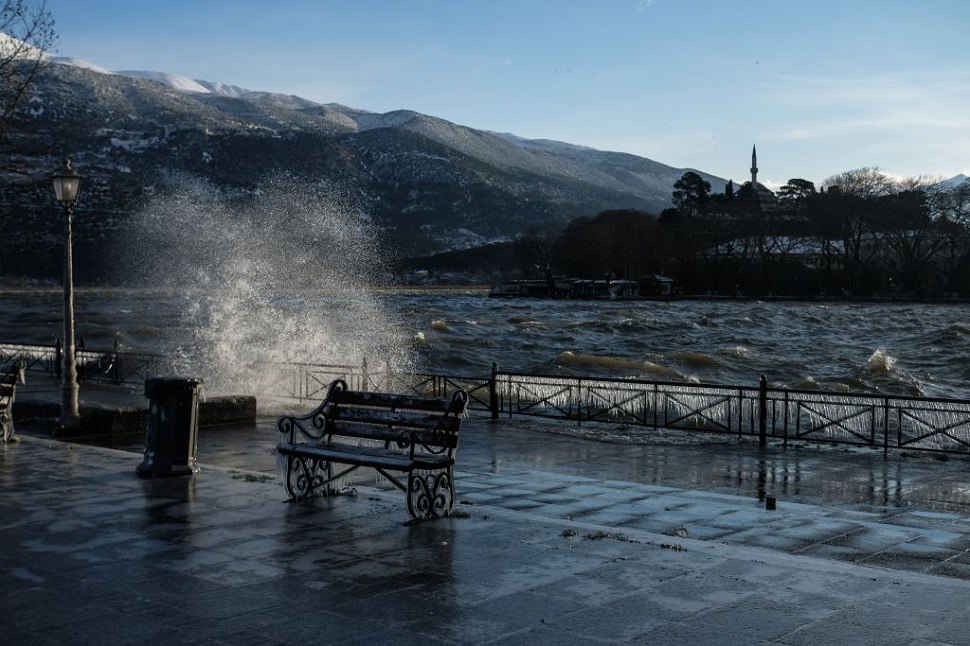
(282, 275)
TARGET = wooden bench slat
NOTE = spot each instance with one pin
(388, 400)
(382, 433)
(370, 457)
(401, 419)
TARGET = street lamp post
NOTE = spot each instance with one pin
(67, 183)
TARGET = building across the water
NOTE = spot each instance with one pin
(585, 289)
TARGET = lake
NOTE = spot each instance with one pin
(897, 348)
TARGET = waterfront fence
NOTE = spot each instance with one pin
(101, 366)
(759, 411)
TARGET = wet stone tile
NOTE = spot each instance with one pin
(755, 538)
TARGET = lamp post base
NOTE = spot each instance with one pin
(70, 417)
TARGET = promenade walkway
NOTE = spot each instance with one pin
(564, 540)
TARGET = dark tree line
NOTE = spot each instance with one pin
(863, 233)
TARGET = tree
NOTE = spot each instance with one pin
(796, 190)
(535, 251)
(950, 209)
(620, 243)
(690, 193)
(26, 35)
(850, 205)
(865, 183)
(913, 239)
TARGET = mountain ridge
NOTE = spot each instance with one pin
(428, 184)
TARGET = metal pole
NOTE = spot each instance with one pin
(493, 392)
(763, 411)
(70, 418)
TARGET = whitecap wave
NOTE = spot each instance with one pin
(609, 364)
(881, 362)
(694, 359)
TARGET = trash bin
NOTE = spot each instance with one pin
(171, 438)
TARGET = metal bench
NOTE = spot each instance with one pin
(9, 378)
(393, 434)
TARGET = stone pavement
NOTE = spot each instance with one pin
(563, 540)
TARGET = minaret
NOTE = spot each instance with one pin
(754, 166)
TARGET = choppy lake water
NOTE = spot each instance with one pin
(908, 349)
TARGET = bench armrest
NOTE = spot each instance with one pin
(313, 425)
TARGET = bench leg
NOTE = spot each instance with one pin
(303, 475)
(430, 494)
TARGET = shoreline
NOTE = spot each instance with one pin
(473, 289)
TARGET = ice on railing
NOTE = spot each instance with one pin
(943, 426)
(11, 352)
(896, 421)
(870, 419)
(548, 393)
(846, 418)
(703, 407)
(604, 398)
(649, 403)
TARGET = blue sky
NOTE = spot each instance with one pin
(820, 86)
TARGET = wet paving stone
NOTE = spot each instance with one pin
(547, 554)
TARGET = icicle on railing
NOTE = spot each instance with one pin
(846, 418)
(704, 407)
(617, 401)
(941, 426)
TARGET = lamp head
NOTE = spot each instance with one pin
(67, 184)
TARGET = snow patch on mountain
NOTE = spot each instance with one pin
(373, 121)
(223, 90)
(175, 81)
(16, 48)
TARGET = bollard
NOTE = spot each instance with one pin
(172, 435)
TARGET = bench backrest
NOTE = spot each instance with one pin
(430, 422)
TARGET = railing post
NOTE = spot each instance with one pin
(117, 375)
(763, 411)
(785, 443)
(363, 375)
(493, 392)
(579, 402)
(885, 427)
(58, 358)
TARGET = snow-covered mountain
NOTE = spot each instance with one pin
(429, 184)
(174, 81)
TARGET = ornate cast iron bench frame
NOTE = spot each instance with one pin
(9, 378)
(393, 434)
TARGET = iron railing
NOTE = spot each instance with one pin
(105, 366)
(860, 419)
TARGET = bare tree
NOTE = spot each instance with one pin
(850, 207)
(950, 208)
(26, 35)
